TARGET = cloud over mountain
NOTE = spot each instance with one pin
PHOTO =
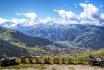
(89, 15)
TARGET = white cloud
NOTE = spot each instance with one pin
(89, 15)
(31, 18)
(88, 11)
(47, 20)
(17, 21)
(102, 16)
(89, 8)
(68, 15)
(2, 20)
(31, 15)
(101, 19)
(19, 14)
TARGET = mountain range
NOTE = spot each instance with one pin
(46, 39)
(16, 43)
(87, 36)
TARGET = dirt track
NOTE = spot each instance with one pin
(73, 67)
(63, 67)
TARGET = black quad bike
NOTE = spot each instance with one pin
(96, 61)
(8, 61)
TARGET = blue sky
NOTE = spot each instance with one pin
(44, 8)
(30, 12)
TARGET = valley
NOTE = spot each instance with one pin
(51, 40)
(38, 45)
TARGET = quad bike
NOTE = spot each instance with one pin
(96, 61)
(8, 61)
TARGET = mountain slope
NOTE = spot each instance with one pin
(13, 42)
(11, 50)
(85, 36)
(93, 38)
(16, 36)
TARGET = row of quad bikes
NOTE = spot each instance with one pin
(92, 61)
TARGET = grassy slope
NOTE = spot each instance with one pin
(21, 40)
